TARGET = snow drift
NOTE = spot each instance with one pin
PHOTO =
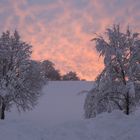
(113, 126)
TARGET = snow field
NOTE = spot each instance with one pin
(59, 116)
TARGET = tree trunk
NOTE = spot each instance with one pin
(127, 104)
(2, 117)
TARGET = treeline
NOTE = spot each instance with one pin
(50, 73)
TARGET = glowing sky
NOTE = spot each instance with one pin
(61, 30)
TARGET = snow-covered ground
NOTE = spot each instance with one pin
(59, 116)
(61, 102)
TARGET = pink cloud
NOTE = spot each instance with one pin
(64, 35)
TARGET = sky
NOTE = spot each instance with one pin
(61, 30)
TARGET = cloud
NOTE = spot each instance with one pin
(61, 30)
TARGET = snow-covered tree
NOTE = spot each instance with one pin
(49, 71)
(34, 76)
(119, 83)
(19, 81)
(72, 76)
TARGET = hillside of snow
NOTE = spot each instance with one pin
(61, 102)
(59, 116)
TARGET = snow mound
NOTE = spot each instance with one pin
(106, 126)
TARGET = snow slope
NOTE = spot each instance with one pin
(58, 116)
(60, 103)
